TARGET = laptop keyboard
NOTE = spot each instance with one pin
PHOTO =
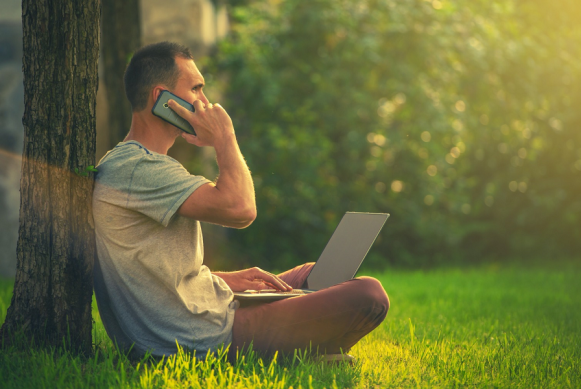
(294, 291)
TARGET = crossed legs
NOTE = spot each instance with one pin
(330, 321)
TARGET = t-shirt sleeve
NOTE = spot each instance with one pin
(158, 187)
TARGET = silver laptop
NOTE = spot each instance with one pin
(340, 259)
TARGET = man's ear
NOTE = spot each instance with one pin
(156, 91)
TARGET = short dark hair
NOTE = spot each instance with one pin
(152, 64)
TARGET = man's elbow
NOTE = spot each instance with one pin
(245, 217)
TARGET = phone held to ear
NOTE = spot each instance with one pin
(162, 110)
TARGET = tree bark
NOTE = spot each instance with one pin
(56, 247)
(120, 24)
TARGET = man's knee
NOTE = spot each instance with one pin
(371, 294)
(307, 265)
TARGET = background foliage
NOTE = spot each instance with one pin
(457, 117)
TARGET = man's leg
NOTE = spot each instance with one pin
(330, 321)
(297, 276)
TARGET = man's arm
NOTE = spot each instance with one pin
(230, 201)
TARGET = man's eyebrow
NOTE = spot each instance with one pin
(200, 85)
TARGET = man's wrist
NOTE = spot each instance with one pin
(225, 141)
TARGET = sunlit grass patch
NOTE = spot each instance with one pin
(485, 327)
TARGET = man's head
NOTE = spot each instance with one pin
(152, 66)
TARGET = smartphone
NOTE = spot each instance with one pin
(162, 110)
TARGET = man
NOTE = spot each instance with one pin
(152, 288)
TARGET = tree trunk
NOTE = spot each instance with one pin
(120, 24)
(56, 247)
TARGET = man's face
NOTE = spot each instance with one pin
(190, 83)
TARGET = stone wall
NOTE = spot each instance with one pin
(11, 134)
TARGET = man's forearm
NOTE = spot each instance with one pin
(234, 179)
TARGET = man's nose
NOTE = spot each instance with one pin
(204, 99)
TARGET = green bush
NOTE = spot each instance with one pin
(458, 118)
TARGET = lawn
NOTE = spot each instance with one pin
(488, 326)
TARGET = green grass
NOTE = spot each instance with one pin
(491, 326)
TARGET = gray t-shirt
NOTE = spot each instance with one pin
(151, 286)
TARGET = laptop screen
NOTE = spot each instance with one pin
(346, 249)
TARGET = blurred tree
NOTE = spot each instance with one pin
(455, 117)
(53, 285)
(121, 29)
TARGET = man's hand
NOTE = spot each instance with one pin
(211, 122)
(254, 278)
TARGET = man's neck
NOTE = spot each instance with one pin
(154, 136)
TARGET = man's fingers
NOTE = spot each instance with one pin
(178, 109)
(271, 279)
(269, 285)
(199, 106)
(192, 139)
(264, 285)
